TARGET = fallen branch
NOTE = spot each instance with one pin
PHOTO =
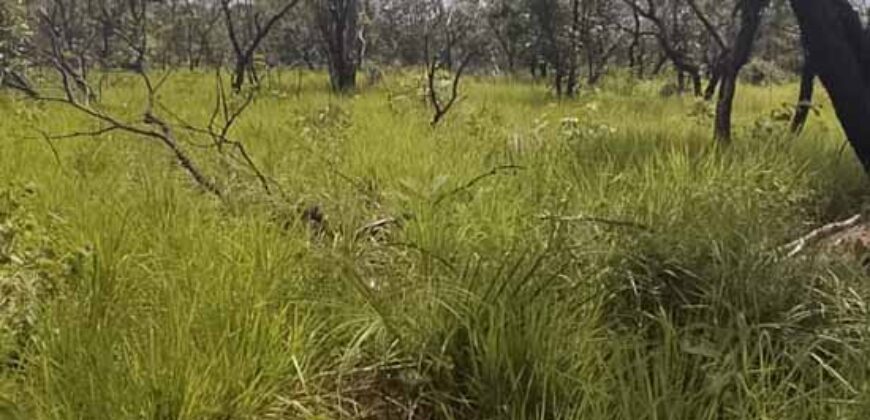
(373, 227)
(797, 246)
(220, 133)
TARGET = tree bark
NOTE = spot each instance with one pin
(338, 21)
(839, 49)
(805, 97)
(573, 66)
(738, 56)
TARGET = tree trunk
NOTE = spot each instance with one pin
(724, 106)
(697, 88)
(750, 17)
(719, 64)
(805, 98)
(239, 74)
(836, 42)
(634, 61)
(710, 92)
(338, 20)
(342, 75)
(573, 70)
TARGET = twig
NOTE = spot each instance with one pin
(17, 81)
(797, 246)
(78, 134)
(492, 172)
(374, 226)
(54, 152)
(219, 139)
(168, 139)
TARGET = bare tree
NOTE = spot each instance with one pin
(440, 105)
(449, 31)
(719, 62)
(665, 35)
(258, 27)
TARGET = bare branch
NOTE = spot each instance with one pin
(441, 107)
(720, 41)
(797, 246)
(471, 183)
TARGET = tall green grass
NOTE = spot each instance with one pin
(596, 258)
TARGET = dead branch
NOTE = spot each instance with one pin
(443, 107)
(245, 53)
(78, 94)
(377, 225)
(17, 81)
(708, 25)
(168, 139)
(797, 246)
(51, 147)
(219, 133)
(471, 183)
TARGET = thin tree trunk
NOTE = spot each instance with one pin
(724, 106)
(750, 16)
(573, 77)
(805, 98)
(697, 88)
(633, 61)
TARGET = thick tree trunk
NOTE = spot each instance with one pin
(836, 42)
(338, 20)
(342, 75)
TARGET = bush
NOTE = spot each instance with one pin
(31, 270)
